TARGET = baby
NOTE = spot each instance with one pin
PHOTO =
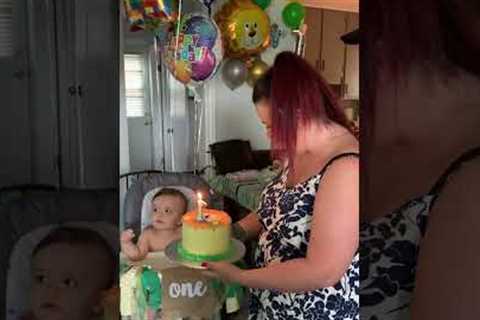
(72, 269)
(168, 206)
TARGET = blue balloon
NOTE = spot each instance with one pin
(204, 28)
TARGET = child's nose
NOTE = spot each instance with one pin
(52, 292)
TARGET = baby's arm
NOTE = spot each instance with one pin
(132, 251)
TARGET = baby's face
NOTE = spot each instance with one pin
(167, 212)
(67, 282)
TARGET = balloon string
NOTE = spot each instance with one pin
(300, 43)
(177, 34)
(198, 126)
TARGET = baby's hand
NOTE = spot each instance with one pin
(127, 235)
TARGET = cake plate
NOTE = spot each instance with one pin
(238, 251)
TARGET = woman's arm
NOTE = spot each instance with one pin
(135, 252)
(447, 280)
(248, 228)
(333, 240)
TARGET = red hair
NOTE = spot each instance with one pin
(298, 96)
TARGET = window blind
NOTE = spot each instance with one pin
(6, 28)
(135, 85)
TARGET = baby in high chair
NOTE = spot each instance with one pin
(168, 207)
(73, 270)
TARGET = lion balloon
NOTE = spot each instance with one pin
(245, 29)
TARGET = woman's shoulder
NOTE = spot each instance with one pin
(451, 239)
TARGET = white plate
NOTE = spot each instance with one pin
(172, 253)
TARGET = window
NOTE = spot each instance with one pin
(135, 85)
(6, 28)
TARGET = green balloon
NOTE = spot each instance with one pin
(263, 3)
(293, 15)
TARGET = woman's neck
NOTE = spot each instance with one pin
(320, 139)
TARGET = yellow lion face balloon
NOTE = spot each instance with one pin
(245, 28)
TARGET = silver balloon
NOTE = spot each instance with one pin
(234, 73)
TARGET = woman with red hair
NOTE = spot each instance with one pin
(306, 260)
(420, 87)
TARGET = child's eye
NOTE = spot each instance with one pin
(247, 25)
(40, 278)
(69, 283)
(155, 210)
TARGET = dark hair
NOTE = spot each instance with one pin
(402, 34)
(263, 87)
(297, 94)
(174, 193)
(81, 237)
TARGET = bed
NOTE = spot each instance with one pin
(241, 173)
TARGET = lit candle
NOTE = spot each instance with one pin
(200, 204)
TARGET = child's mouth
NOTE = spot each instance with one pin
(48, 305)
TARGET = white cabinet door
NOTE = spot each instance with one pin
(28, 120)
(15, 156)
(352, 68)
(97, 63)
(333, 48)
(88, 47)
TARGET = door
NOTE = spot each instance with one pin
(89, 100)
(139, 117)
(28, 121)
(14, 86)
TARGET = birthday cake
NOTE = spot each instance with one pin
(205, 237)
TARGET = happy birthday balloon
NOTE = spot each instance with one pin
(194, 54)
(150, 14)
(245, 28)
(134, 12)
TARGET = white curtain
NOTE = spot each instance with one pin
(124, 147)
(156, 112)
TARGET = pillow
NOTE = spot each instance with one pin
(147, 202)
(19, 279)
(232, 156)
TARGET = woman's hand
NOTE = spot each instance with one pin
(225, 271)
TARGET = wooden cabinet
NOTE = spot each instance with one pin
(337, 62)
(352, 65)
(333, 48)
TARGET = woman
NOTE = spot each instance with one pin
(306, 261)
(421, 109)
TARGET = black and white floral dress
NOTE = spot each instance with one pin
(389, 248)
(286, 214)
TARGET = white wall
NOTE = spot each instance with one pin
(235, 116)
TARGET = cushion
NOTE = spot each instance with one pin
(232, 156)
(147, 202)
(19, 279)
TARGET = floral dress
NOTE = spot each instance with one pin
(389, 248)
(286, 214)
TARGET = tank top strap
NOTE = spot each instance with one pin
(335, 158)
(454, 167)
